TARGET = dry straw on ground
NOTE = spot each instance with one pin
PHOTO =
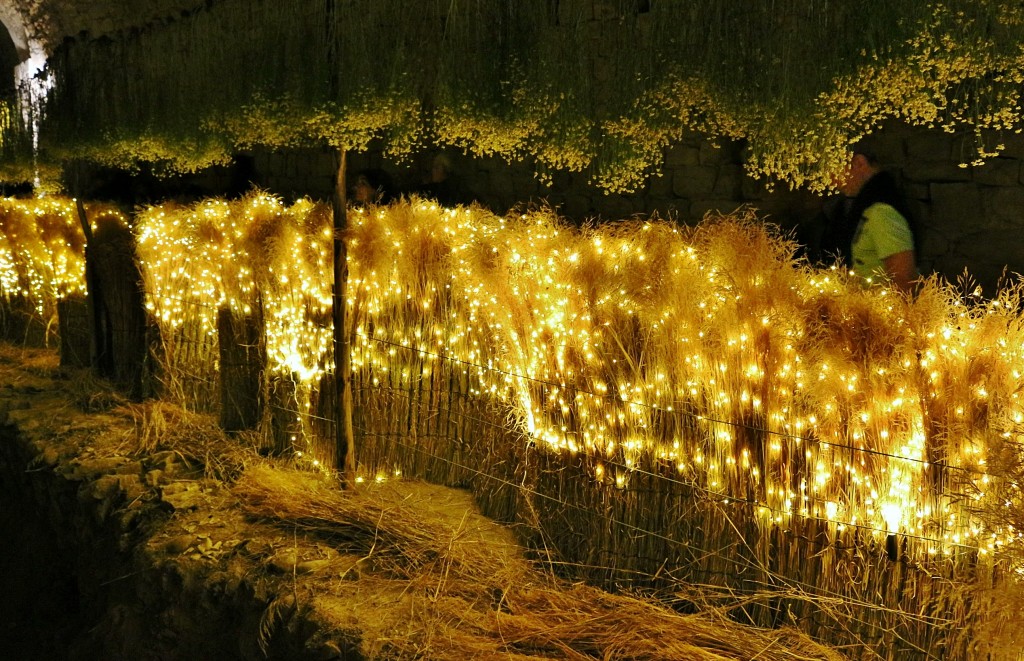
(452, 585)
(711, 381)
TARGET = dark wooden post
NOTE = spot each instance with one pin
(75, 339)
(116, 304)
(285, 427)
(243, 354)
(92, 285)
(344, 434)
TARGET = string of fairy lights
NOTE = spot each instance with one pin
(760, 379)
(825, 515)
(887, 497)
(41, 252)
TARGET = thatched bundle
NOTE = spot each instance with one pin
(662, 404)
(698, 387)
(42, 251)
(252, 256)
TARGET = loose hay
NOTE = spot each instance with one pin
(196, 440)
(441, 582)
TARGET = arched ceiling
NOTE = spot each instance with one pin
(44, 23)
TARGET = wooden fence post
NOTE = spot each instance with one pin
(344, 434)
(75, 339)
(243, 359)
(117, 306)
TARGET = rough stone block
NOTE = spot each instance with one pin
(757, 189)
(787, 207)
(501, 183)
(988, 255)
(998, 172)
(578, 206)
(920, 212)
(660, 185)
(954, 207)
(933, 243)
(916, 191)
(525, 184)
(130, 486)
(1013, 144)
(949, 265)
(560, 180)
(617, 207)
(97, 466)
(720, 153)
(934, 171)
(471, 182)
(889, 149)
(729, 183)
(694, 181)
(931, 146)
(130, 468)
(1003, 207)
(682, 155)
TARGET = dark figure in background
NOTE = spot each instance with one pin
(242, 176)
(869, 228)
(440, 186)
(371, 187)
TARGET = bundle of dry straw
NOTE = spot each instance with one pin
(466, 591)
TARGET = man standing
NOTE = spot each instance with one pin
(881, 242)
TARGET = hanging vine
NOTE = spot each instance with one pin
(601, 88)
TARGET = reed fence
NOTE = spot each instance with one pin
(684, 412)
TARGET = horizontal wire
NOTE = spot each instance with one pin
(813, 589)
(724, 496)
(680, 411)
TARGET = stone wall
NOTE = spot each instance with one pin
(698, 177)
(970, 218)
(108, 556)
(49, 21)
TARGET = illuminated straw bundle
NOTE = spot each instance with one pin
(639, 343)
(757, 378)
(649, 361)
(183, 253)
(42, 256)
(788, 400)
(293, 273)
(251, 258)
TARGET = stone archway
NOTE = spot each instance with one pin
(21, 53)
(12, 19)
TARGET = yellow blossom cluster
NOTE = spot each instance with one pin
(797, 82)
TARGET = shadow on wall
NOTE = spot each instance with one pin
(129, 190)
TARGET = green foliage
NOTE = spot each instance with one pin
(599, 88)
(167, 154)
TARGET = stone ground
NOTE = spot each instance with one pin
(119, 545)
(139, 531)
